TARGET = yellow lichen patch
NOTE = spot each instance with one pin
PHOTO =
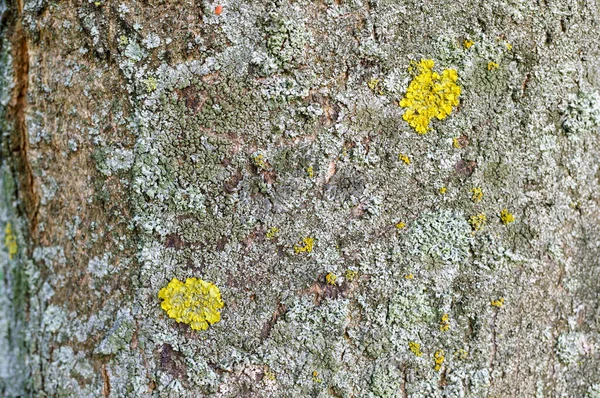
(506, 217)
(498, 303)
(477, 194)
(401, 225)
(305, 246)
(194, 302)
(269, 375)
(443, 190)
(10, 241)
(272, 233)
(350, 275)
(445, 323)
(373, 83)
(330, 278)
(430, 95)
(310, 171)
(477, 221)
(461, 354)
(404, 158)
(508, 46)
(409, 276)
(455, 143)
(151, 84)
(439, 359)
(316, 379)
(260, 162)
(492, 66)
(415, 348)
(375, 86)
(468, 43)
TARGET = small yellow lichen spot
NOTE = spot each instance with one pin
(375, 86)
(461, 354)
(401, 225)
(330, 278)
(455, 143)
(316, 378)
(443, 190)
(269, 375)
(508, 46)
(259, 161)
(492, 66)
(445, 323)
(10, 241)
(123, 40)
(415, 348)
(409, 276)
(305, 246)
(439, 359)
(498, 303)
(350, 275)
(272, 233)
(404, 158)
(373, 83)
(194, 302)
(506, 217)
(151, 84)
(310, 171)
(429, 95)
(477, 194)
(477, 221)
(468, 43)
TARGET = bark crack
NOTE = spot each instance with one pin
(18, 143)
(404, 383)
(494, 349)
(106, 380)
(266, 330)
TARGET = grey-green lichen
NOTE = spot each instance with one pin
(570, 347)
(440, 238)
(119, 336)
(581, 114)
(287, 40)
(594, 391)
(289, 82)
(194, 167)
(13, 293)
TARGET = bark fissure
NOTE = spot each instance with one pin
(106, 381)
(18, 144)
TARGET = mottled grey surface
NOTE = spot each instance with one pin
(166, 140)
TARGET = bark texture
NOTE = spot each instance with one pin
(149, 140)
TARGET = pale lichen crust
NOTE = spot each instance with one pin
(264, 150)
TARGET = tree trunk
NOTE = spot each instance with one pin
(270, 148)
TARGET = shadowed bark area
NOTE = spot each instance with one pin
(262, 147)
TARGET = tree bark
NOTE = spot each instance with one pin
(261, 147)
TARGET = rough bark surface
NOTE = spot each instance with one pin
(150, 140)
